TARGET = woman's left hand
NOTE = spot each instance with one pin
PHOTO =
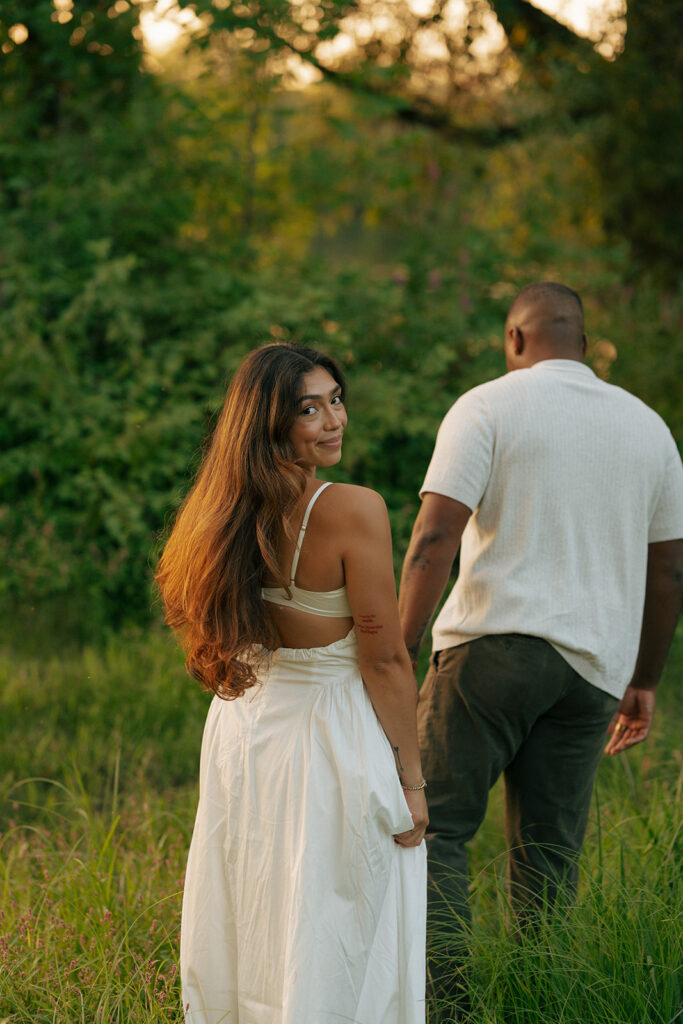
(417, 805)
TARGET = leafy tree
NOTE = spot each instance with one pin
(639, 149)
(431, 71)
(158, 226)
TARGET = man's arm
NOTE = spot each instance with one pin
(433, 546)
(663, 594)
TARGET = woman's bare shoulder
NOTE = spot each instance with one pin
(351, 504)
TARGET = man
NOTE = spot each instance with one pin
(567, 493)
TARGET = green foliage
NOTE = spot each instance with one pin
(66, 64)
(639, 151)
(117, 335)
(155, 228)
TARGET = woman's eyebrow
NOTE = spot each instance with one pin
(307, 398)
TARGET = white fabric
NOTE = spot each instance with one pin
(328, 604)
(570, 479)
(299, 908)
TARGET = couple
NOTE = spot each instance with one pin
(306, 880)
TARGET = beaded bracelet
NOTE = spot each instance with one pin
(422, 785)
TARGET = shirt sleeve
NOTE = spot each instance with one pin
(461, 462)
(666, 522)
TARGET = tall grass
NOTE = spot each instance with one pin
(90, 912)
(616, 956)
(98, 762)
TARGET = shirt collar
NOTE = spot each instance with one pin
(563, 366)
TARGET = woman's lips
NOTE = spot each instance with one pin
(334, 443)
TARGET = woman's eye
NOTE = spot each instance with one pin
(337, 400)
(307, 411)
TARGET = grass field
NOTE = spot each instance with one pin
(98, 765)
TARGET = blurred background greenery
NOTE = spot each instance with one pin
(377, 178)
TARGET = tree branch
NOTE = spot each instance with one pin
(522, 22)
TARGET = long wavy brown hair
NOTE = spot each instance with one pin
(230, 528)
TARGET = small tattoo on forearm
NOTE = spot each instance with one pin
(368, 624)
(398, 758)
(414, 648)
(420, 563)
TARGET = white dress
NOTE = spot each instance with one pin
(299, 907)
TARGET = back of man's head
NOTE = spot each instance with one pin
(545, 322)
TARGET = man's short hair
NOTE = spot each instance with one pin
(549, 290)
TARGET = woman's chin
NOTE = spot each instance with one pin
(330, 458)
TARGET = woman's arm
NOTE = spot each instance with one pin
(384, 661)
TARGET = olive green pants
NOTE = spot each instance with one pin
(506, 704)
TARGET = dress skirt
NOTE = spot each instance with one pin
(299, 907)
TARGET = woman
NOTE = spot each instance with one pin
(305, 890)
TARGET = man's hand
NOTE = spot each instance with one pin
(631, 724)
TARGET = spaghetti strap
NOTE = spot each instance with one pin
(304, 524)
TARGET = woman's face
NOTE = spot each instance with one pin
(320, 421)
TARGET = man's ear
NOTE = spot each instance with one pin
(517, 339)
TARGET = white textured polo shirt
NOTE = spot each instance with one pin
(570, 479)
